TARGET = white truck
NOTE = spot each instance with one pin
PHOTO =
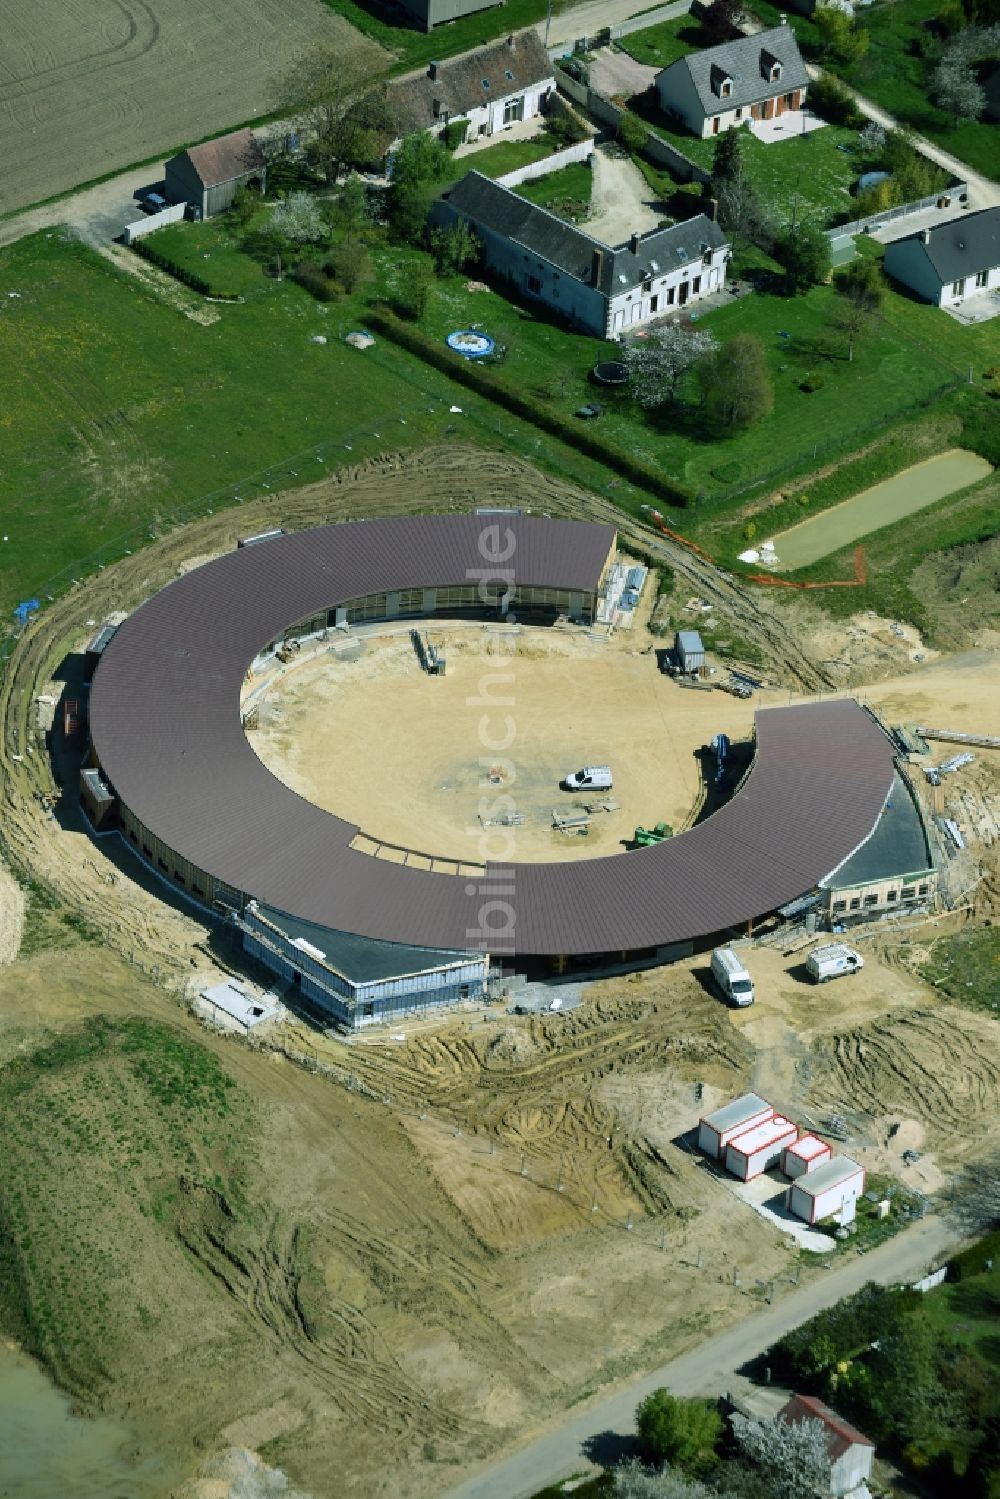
(731, 977)
(590, 778)
(833, 962)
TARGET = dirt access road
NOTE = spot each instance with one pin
(707, 1369)
(621, 203)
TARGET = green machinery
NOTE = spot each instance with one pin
(646, 837)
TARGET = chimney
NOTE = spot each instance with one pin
(633, 244)
(712, 210)
(925, 236)
(432, 71)
(596, 267)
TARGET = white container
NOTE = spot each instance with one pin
(804, 1156)
(826, 1190)
(715, 1130)
(759, 1148)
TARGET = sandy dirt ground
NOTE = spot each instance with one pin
(11, 916)
(86, 89)
(502, 1209)
(422, 780)
(621, 202)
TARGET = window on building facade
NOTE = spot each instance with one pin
(533, 284)
(840, 905)
(856, 903)
(909, 892)
(871, 900)
(923, 889)
(958, 288)
(982, 278)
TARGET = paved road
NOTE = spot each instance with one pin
(590, 18)
(707, 1369)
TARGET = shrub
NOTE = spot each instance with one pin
(632, 132)
(181, 273)
(832, 102)
(488, 384)
(811, 383)
(313, 279)
(973, 1261)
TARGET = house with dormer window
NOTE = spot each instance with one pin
(752, 78)
(489, 89)
(605, 290)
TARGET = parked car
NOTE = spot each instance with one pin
(153, 202)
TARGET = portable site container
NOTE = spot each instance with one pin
(717, 1129)
(689, 650)
(756, 1149)
(825, 1190)
(804, 1156)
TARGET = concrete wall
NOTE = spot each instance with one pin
(581, 151)
(896, 893)
(155, 221)
(605, 113)
(851, 1470)
(957, 193)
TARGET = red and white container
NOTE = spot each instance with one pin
(824, 1192)
(717, 1129)
(759, 1148)
(804, 1156)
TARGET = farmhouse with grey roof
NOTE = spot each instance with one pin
(606, 290)
(952, 262)
(752, 78)
(489, 89)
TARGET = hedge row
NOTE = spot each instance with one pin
(181, 273)
(571, 431)
(973, 1261)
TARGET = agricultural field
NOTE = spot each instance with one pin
(90, 88)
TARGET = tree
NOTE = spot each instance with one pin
(683, 1432)
(412, 296)
(454, 248)
(350, 208)
(839, 38)
(246, 201)
(632, 132)
(339, 105)
(861, 290)
(904, 1398)
(299, 220)
(792, 1457)
(735, 383)
(416, 171)
(633, 1481)
(351, 264)
(727, 157)
(957, 90)
(872, 140)
(721, 20)
(804, 251)
(656, 364)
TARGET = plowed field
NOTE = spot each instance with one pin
(89, 86)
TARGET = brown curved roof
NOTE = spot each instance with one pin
(165, 718)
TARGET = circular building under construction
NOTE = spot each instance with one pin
(367, 937)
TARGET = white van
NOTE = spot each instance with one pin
(832, 962)
(731, 977)
(590, 778)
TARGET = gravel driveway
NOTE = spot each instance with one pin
(616, 73)
(621, 202)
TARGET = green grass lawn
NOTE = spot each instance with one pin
(211, 250)
(413, 47)
(566, 192)
(507, 156)
(892, 75)
(967, 968)
(664, 43)
(806, 175)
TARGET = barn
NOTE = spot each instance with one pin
(208, 175)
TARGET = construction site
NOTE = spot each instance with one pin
(504, 1183)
